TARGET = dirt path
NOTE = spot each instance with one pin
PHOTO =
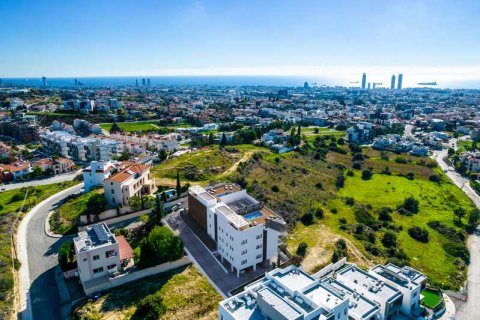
(234, 167)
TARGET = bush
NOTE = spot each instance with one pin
(160, 246)
(275, 188)
(358, 157)
(419, 234)
(458, 250)
(400, 160)
(319, 213)
(151, 307)
(363, 216)
(434, 178)
(384, 214)
(410, 175)
(96, 204)
(357, 165)
(367, 174)
(350, 173)
(448, 232)
(349, 201)
(340, 250)
(302, 249)
(340, 182)
(342, 221)
(334, 210)
(319, 185)
(66, 255)
(409, 206)
(307, 218)
(389, 239)
(386, 171)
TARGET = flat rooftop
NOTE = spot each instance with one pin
(294, 279)
(359, 307)
(368, 282)
(405, 277)
(95, 236)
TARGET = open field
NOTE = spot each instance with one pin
(65, 218)
(295, 183)
(431, 298)
(206, 164)
(311, 135)
(144, 126)
(184, 292)
(10, 204)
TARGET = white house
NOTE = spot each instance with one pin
(134, 180)
(245, 231)
(97, 172)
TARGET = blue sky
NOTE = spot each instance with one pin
(153, 37)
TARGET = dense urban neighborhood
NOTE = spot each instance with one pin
(146, 201)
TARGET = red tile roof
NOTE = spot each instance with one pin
(126, 252)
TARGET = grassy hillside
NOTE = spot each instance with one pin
(185, 294)
(10, 204)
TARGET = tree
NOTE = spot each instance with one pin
(162, 155)
(160, 246)
(459, 213)
(223, 140)
(473, 218)
(151, 307)
(366, 174)
(307, 218)
(409, 206)
(96, 204)
(340, 181)
(211, 138)
(410, 175)
(419, 234)
(66, 255)
(384, 214)
(299, 131)
(157, 212)
(179, 185)
(36, 172)
(389, 239)
(302, 249)
(135, 202)
(115, 128)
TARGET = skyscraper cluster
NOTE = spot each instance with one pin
(399, 83)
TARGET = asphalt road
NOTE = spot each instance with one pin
(468, 310)
(41, 260)
(39, 182)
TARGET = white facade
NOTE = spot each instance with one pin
(131, 181)
(97, 253)
(246, 233)
(97, 172)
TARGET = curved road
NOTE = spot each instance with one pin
(55, 179)
(37, 254)
(468, 310)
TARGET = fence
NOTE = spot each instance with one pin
(136, 275)
(116, 218)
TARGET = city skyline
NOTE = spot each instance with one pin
(424, 39)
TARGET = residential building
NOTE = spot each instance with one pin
(245, 232)
(55, 166)
(97, 172)
(22, 127)
(100, 254)
(134, 180)
(471, 161)
(17, 169)
(408, 281)
(361, 132)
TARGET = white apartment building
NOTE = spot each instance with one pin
(246, 232)
(83, 149)
(97, 253)
(409, 281)
(134, 180)
(97, 172)
(287, 294)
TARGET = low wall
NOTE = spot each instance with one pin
(111, 216)
(138, 274)
(70, 273)
(330, 268)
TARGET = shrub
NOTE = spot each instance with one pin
(342, 220)
(307, 218)
(434, 178)
(350, 173)
(151, 307)
(448, 232)
(389, 239)
(410, 175)
(410, 206)
(340, 181)
(275, 188)
(319, 185)
(349, 201)
(367, 174)
(363, 216)
(419, 234)
(458, 250)
(160, 246)
(302, 249)
(319, 213)
(400, 160)
(386, 171)
(96, 204)
(358, 157)
(340, 250)
(66, 255)
(357, 165)
(334, 210)
(384, 214)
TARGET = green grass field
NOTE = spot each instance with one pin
(431, 298)
(205, 164)
(185, 293)
(65, 218)
(143, 126)
(10, 204)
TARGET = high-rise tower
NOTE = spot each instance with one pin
(44, 81)
(392, 84)
(364, 80)
(400, 80)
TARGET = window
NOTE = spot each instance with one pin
(112, 266)
(259, 246)
(98, 270)
(96, 257)
(84, 259)
(259, 236)
(111, 253)
(244, 252)
(113, 191)
(259, 256)
(244, 241)
(244, 262)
